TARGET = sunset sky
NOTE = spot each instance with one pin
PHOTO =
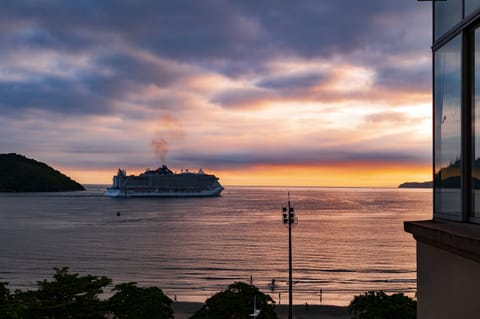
(270, 92)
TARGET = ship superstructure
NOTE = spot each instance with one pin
(162, 182)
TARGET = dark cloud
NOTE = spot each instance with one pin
(139, 70)
(53, 94)
(233, 38)
(295, 81)
(91, 91)
(181, 29)
(300, 157)
(243, 98)
(215, 31)
(398, 77)
(97, 148)
(390, 84)
(325, 28)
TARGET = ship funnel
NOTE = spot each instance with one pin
(160, 145)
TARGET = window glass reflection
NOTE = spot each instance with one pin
(447, 14)
(447, 99)
(476, 128)
(471, 6)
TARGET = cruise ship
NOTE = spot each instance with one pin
(162, 182)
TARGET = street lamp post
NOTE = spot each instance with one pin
(289, 220)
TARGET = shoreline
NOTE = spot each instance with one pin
(185, 309)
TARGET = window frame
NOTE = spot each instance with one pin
(466, 29)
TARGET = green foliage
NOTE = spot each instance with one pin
(6, 302)
(77, 297)
(132, 302)
(21, 174)
(66, 296)
(378, 305)
(237, 302)
(4, 293)
(24, 305)
(71, 296)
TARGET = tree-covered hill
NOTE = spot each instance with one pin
(21, 174)
(416, 185)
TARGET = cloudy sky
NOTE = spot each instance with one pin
(259, 92)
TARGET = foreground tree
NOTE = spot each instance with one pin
(7, 306)
(71, 296)
(378, 305)
(237, 302)
(66, 296)
(132, 302)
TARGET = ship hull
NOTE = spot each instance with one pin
(118, 193)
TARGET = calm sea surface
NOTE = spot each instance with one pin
(347, 241)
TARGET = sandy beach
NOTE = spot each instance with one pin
(183, 310)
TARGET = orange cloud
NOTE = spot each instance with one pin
(355, 174)
(332, 175)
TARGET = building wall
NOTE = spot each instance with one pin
(448, 285)
(448, 278)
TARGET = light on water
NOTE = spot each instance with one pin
(347, 241)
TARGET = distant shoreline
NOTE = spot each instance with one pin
(416, 185)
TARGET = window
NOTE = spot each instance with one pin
(471, 6)
(447, 123)
(446, 14)
(476, 127)
(456, 49)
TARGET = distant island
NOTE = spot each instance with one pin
(21, 174)
(416, 185)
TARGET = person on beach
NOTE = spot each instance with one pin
(272, 285)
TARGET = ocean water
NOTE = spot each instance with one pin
(347, 240)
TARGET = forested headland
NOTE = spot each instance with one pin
(21, 174)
